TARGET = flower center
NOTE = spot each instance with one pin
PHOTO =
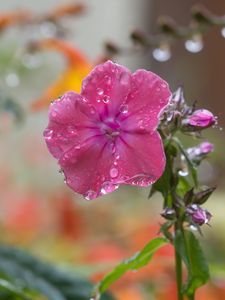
(110, 128)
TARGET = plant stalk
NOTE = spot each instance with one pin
(178, 265)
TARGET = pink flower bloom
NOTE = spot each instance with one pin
(201, 119)
(106, 136)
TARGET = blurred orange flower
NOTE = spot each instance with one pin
(77, 68)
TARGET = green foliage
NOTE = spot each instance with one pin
(28, 272)
(191, 253)
(138, 260)
(9, 291)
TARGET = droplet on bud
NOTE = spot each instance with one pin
(195, 44)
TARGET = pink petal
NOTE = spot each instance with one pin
(89, 174)
(141, 158)
(107, 87)
(69, 124)
(148, 96)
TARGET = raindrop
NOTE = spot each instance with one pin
(112, 147)
(108, 80)
(164, 85)
(140, 124)
(92, 110)
(124, 78)
(161, 54)
(100, 91)
(12, 80)
(71, 130)
(106, 99)
(108, 187)
(124, 109)
(223, 32)
(90, 195)
(183, 172)
(48, 134)
(158, 89)
(54, 114)
(194, 45)
(114, 172)
(77, 147)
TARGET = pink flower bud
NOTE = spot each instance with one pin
(201, 151)
(198, 215)
(200, 119)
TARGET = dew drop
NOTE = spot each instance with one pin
(77, 147)
(158, 89)
(92, 110)
(114, 172)
(54, 114)
(100, 91)
(90, 195)
(48, 134)
(183, 172)
(71, 130)
(164, 85)
(106, 99)
(161, 54)
(124, 109)
(112, 148)
(108, 187)
(194, 45)
(108, 80)
(124, 78)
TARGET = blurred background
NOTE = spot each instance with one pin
(47, 48)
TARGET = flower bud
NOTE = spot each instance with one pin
(198, 215)
(199, 152)
(200, 119)
(168, 213)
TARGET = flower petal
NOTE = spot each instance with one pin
(141, 158)
(107, 87)
(69, 124)
(149, 95)
(89, 174)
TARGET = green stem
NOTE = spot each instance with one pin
(178, 263)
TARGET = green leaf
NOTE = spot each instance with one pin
(189, 249)
(35, 275)
(138, 260)
(166, 182)
(10, 291)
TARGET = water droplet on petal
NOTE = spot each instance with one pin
(112, 147)
(77, 147)
(48, 134)
(164, 85)
(158, 89)
(124, 78)
(108, 80)
(108, 187)
(161, 54)
(114, 172)
(90, 195)
(54, 114)
(100, 91)
(71, 130)
(92, 110)
(124, 109)
(106, 99)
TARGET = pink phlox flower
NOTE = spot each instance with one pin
(107, 135)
